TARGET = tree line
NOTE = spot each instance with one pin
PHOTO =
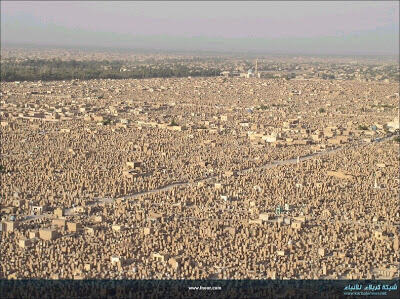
(56, 69)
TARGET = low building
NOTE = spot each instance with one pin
(48, 234)
(74, 227)
(264, 216)
(37, 210)
(159, 257)
(9, 226)
(59, 223)
(116, 260)
(59, 212)
(116, 227)
(296, 224)
(24, 243)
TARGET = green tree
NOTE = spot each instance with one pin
(173, 123)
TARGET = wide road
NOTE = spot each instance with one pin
(70, 211)
(243, 171)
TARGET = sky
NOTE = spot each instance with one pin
(292, 27)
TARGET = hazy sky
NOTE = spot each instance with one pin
(326, 27)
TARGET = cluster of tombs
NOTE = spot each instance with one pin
(181, 178)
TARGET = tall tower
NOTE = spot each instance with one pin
(256, 72)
